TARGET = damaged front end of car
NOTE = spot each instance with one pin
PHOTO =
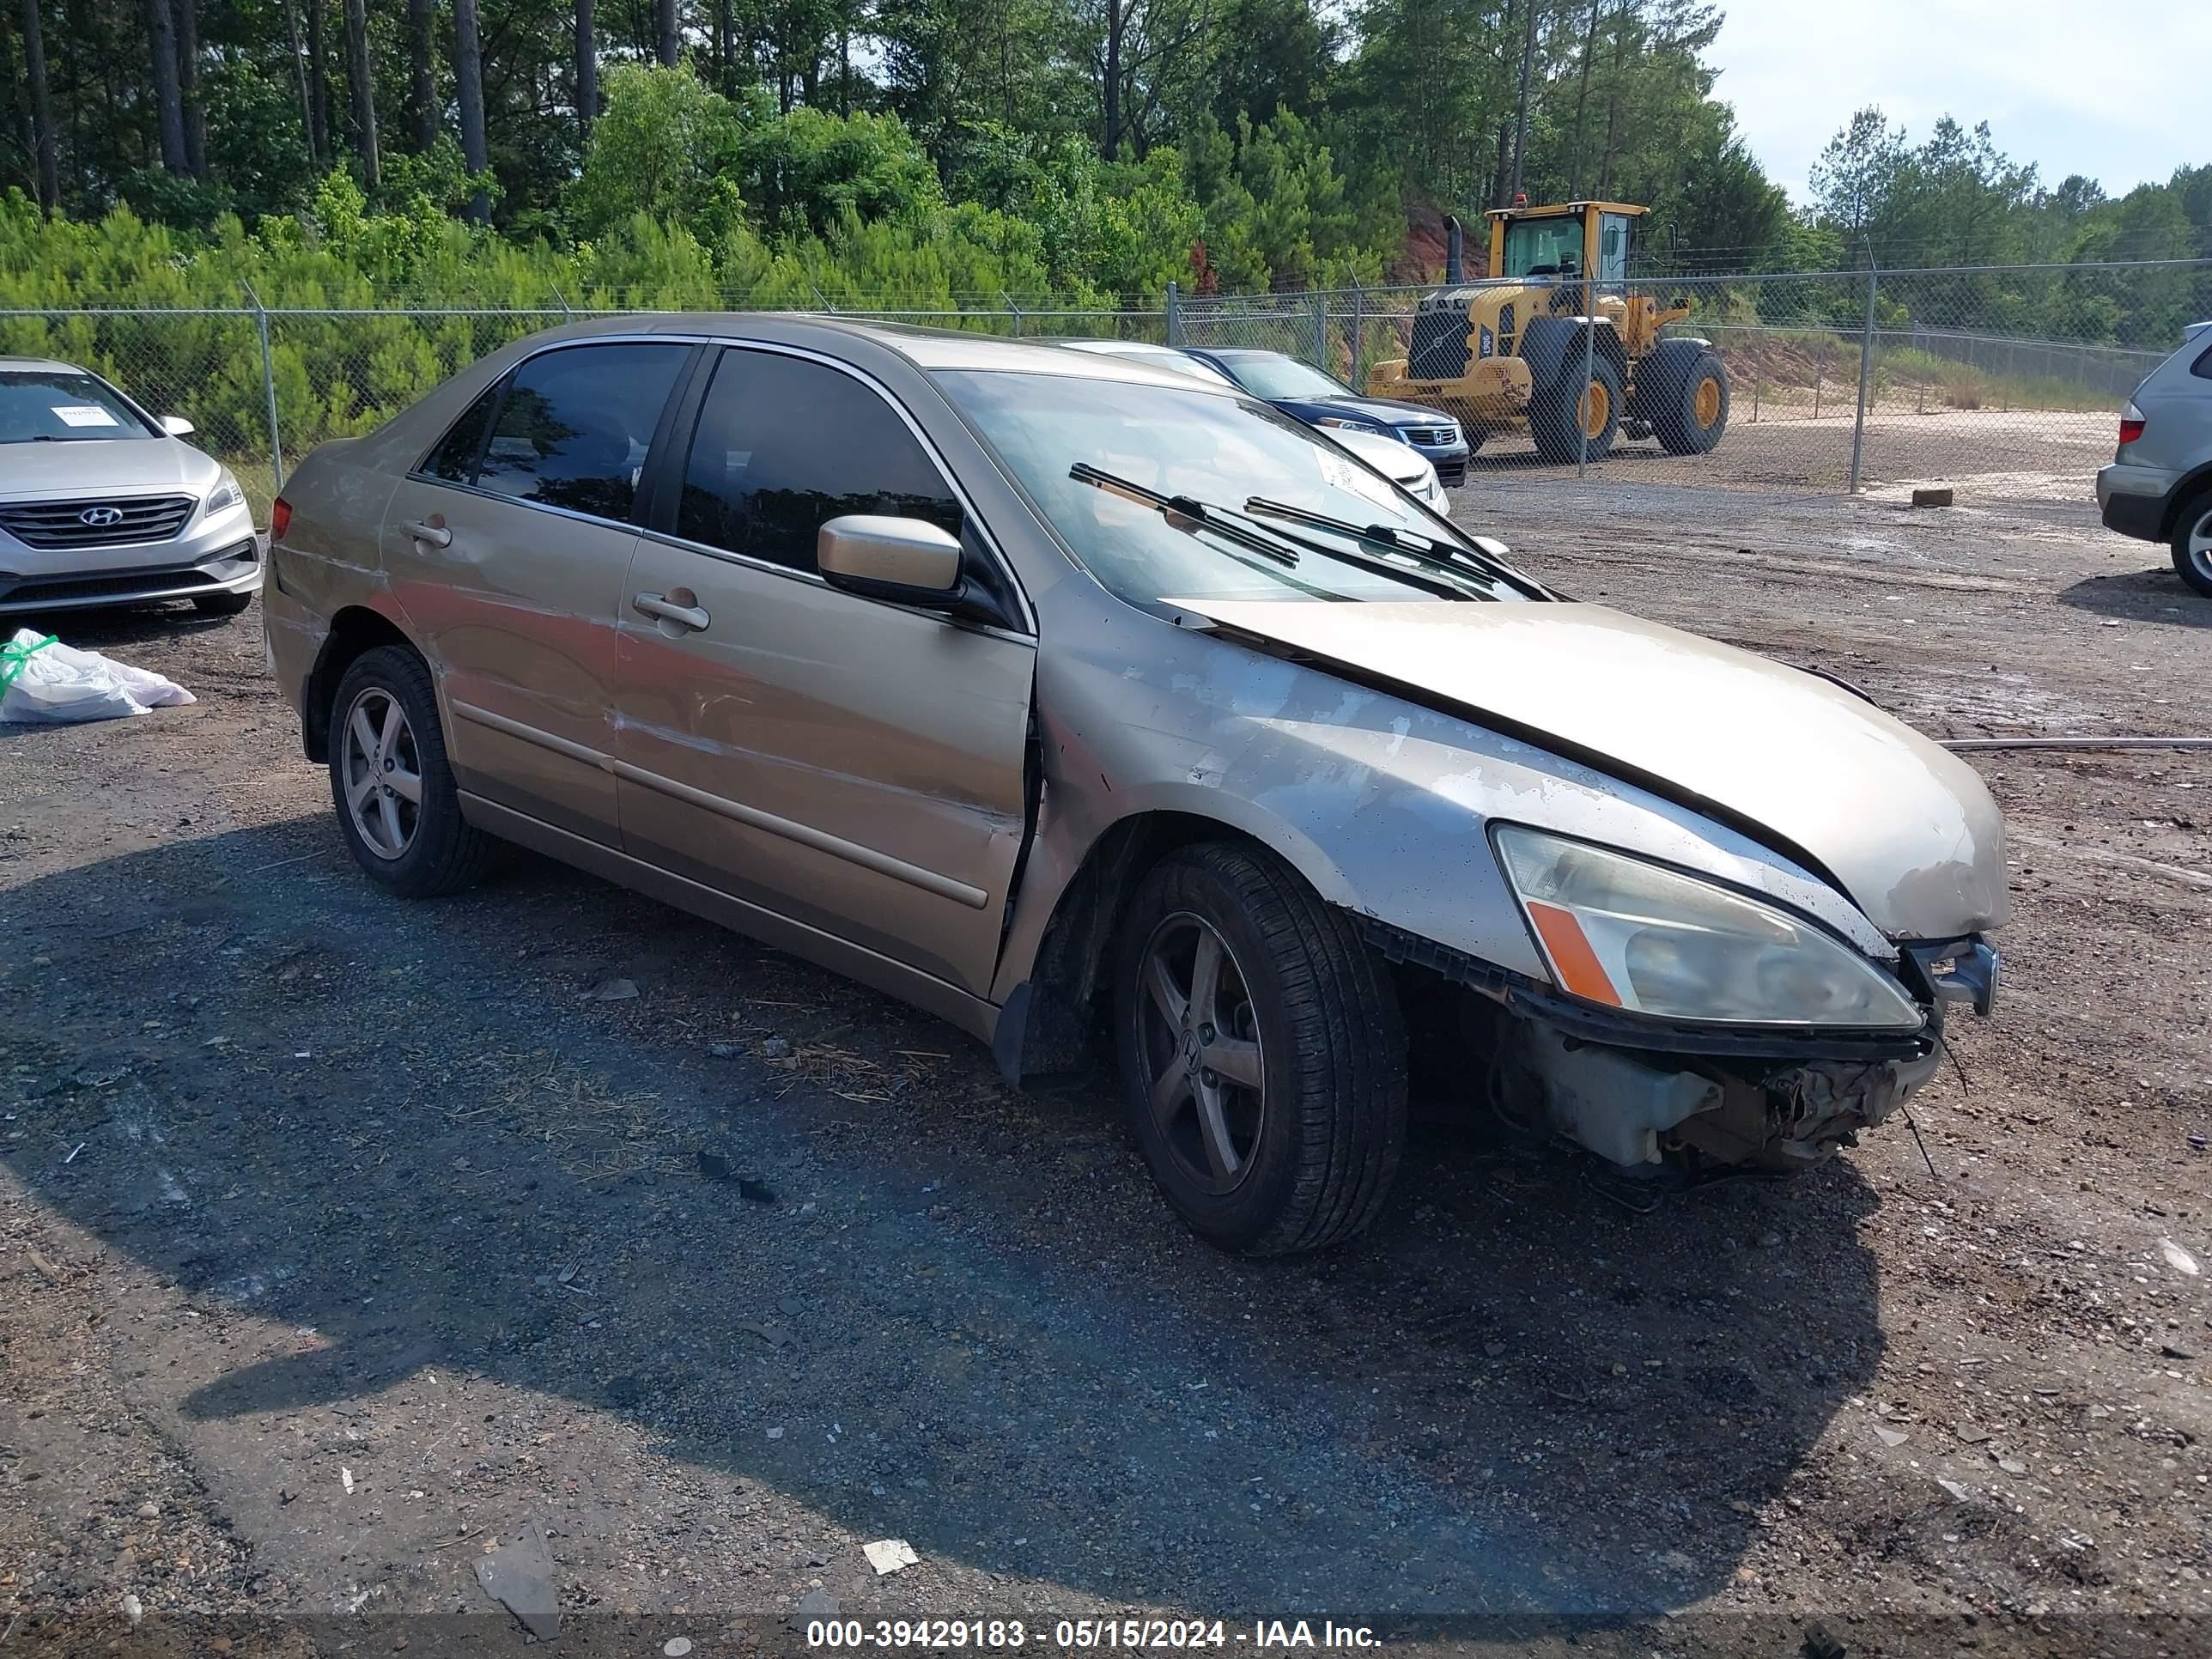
(1657, 1098)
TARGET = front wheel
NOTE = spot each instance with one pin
(2193, 545)
(1261, 1052)
(1577, 417)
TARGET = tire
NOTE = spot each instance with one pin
(1305, 1159)
(1552, 418)
(1689, 418)
(2192, 543)
(419, 848)
(222, 605)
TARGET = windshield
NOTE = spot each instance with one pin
(1222, 450)
(61, 405)
(1553, 245)
(1271, 374)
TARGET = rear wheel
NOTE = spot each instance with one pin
(1691, 415)
(397, 803)
(1261, 1052)
(1575, 413)
(2192, 544)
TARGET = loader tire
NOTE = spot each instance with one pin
(1572, 411)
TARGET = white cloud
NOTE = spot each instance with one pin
(2073, 87)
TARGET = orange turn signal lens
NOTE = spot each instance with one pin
(1572, 959)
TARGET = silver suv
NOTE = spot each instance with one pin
(101, 503)
(2159, 487)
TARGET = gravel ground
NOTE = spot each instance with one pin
(352, 1248)
(2014, 455)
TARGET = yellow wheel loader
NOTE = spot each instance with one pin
(1553, 339)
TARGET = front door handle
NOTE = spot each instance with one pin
(430, 535)
(665, 609)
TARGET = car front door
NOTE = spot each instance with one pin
(507, 548)
(852, 765)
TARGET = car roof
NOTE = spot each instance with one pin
(38, 366)
(933, 350)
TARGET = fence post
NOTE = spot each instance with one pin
(1581, 420)
(1175, 315)
(1013, 311)
(1358, 334)
(1866, 372)
(562, 298)
(1321, 328)
(268, 385)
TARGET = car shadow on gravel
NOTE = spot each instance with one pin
(106, 628)
(374, 1143)
(2151, 595)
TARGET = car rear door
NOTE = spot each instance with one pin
(852, 765)
(506, 548)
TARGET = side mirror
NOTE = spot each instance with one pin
(176, 426)
(907, 560)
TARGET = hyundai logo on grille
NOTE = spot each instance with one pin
(100, 517)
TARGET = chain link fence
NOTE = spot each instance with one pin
(2001, 382)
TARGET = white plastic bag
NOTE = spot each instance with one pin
(46, 681)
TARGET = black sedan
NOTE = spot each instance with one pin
(1300, 389)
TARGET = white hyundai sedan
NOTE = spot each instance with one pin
(101, 503)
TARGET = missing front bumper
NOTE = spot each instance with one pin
(1641, 1109)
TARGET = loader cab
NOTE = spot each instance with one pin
(1570, 241)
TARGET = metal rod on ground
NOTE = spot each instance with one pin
(269, 386)
(1866, 374)
(1958, 745)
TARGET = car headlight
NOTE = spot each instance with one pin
(225, 495)
(1346, 425)
(1618, 931)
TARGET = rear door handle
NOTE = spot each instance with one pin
(431, 534)
(659, 606)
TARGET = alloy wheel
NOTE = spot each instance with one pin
(2200, 546)
(1198, 1035)
(383, 773)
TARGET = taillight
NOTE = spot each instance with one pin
(280, 515)
(2131, 423)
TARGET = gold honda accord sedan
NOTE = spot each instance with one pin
(1094, 709)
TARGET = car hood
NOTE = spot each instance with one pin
(1386, 455)
(1381, 410)
(34, 471)
(1903, 826)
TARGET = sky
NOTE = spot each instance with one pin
(2116, 92)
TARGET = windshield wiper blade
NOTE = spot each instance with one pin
(1268, 544)
(1393, 536)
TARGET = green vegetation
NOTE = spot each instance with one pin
(949, 155)
(910, 150)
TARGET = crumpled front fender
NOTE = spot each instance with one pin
(1382, 804)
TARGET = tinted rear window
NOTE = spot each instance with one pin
(576, 424)
(454, 459)
(44, 405)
